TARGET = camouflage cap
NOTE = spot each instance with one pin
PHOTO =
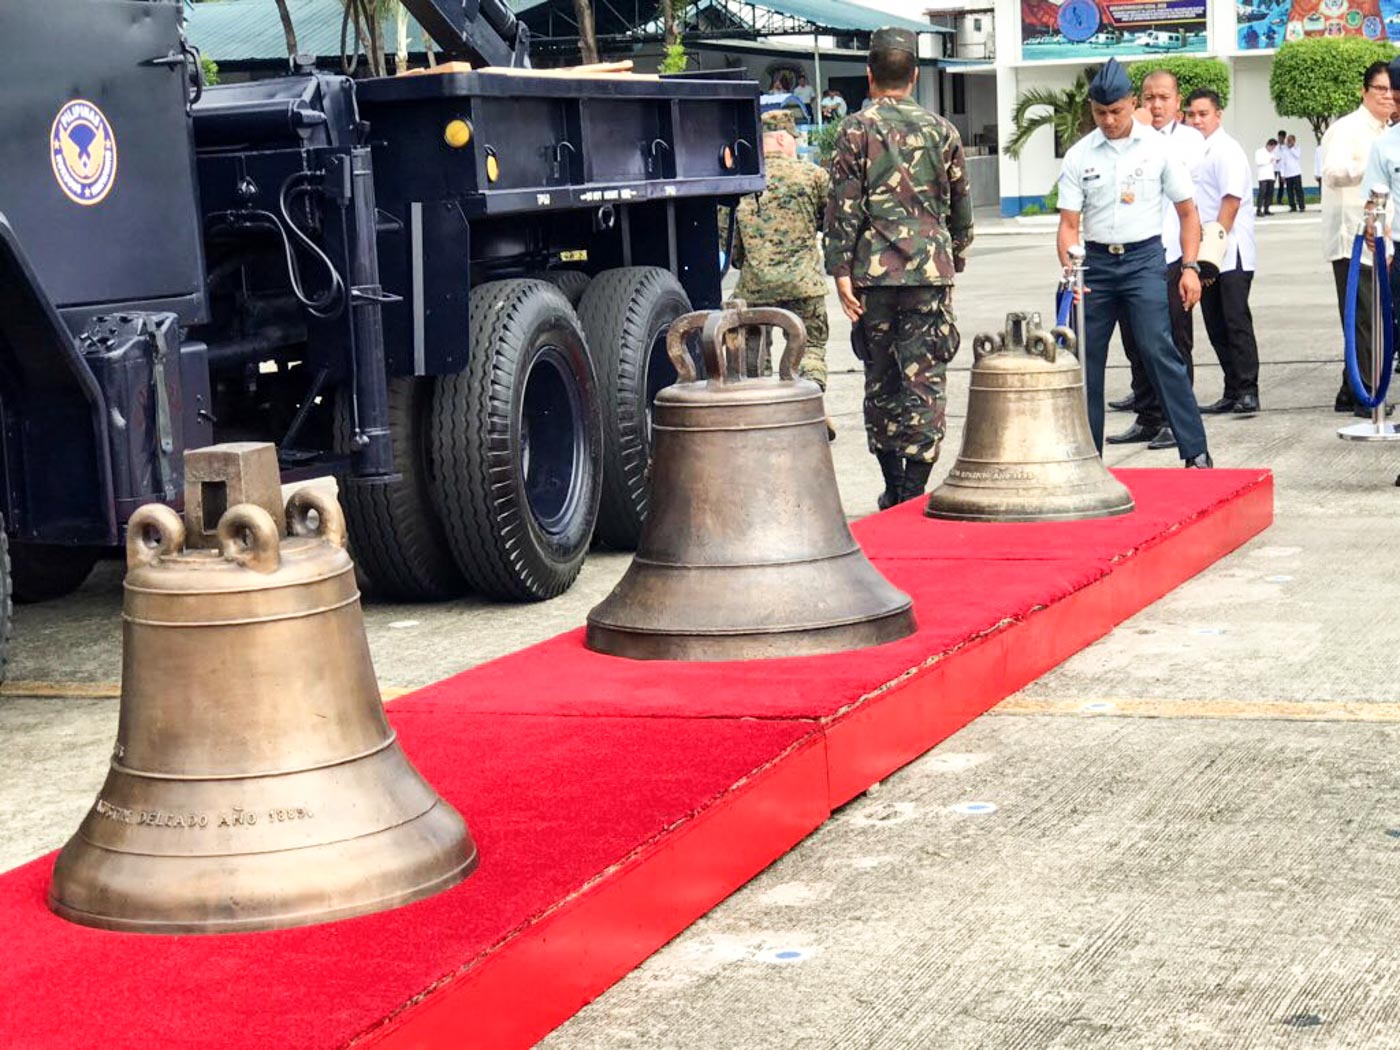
(892, 39)
(780, 120)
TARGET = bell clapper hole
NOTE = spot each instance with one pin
(213, 500)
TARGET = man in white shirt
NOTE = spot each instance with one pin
(1161, 96)
(804, 91)
(1264, 173)
(1226, 180)
(1112, 184)
(1290, 166)
(1345, 150)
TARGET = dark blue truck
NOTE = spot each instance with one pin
(449, 289)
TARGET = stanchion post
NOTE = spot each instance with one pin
(1373, 228)
(1375, 206)
(1076, 276)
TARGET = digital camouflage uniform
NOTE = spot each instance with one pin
(775, 245)
(898, 222)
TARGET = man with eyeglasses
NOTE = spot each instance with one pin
(1345, 150)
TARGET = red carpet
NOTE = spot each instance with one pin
(615, 802)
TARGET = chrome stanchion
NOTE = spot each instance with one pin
(1074, 275)
(1382, 327)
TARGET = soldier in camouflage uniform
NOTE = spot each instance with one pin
(898, 222)
(775, 242)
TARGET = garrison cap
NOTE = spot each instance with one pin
(1110, 84)
(891, 39)
(780, 120)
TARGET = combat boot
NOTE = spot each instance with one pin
(916, 473)
(892, 467)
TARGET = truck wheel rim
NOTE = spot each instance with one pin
(553, 441)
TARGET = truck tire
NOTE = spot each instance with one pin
(39, 572)
(626, 313)
(6, 603)
(573, 283)
(396, 537)
(518, 441)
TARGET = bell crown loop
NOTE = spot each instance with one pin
(248, 535)
(1024, 335)
(721, 345)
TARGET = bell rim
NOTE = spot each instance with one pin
(1086, 514)
(716, 632)
(740, 646)
(80, 852)
(268, 923)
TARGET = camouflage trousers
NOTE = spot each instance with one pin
(812, 311)
(909, 336)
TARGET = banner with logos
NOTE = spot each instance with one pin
(1098, 29)
(1267, 24)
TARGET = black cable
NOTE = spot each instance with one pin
(335, 293)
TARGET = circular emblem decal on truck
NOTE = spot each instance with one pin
(84, 152)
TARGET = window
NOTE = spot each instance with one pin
(977, 25)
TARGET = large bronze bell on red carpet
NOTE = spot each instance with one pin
(255, 782)
(745, 552)
(1027, 452)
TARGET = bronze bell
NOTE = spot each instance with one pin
(745, 552)
(1027, 452)
(255, 782)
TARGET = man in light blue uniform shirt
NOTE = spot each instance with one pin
(1112, 185)
(1383, 169)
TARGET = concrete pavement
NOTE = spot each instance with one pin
(1204, 856)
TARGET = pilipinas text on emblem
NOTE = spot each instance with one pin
(84, 152)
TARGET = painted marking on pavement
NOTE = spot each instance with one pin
(973, 809)
(782, 956)
(1296, 710)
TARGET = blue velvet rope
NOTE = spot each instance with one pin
(1358, 384)
(1064, 306)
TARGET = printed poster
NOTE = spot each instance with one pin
(1267, 24)
(1098, 29)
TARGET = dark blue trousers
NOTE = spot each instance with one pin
(1131, 290)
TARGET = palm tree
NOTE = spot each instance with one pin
(587, 34)
(287, 29)
(1065, 110)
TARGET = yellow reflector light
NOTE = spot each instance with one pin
(726, 158)
(493, 166)
(457, 133)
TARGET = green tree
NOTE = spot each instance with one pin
(1064, 110)
(1319, 78)
(1190, 73)
(824, 139)
(675, 60)
(210, 69)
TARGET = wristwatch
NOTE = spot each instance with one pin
(1192, 266)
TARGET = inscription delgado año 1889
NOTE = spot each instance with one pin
(237, 817)
(991, 475)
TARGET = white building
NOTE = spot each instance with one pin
(1007, 58)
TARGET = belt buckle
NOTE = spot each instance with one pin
(1116, 249)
